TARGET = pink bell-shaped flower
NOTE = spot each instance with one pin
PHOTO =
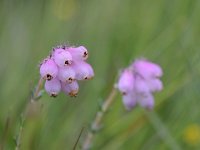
(53, 87)
(126, 81)
(78, 53)
(146, 100)
(129, 100)
(66, 74)
(70, 89)
(83, 70)
(61, 57)
(48, 69)
(147, 69)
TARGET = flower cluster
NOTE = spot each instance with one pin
(63, 68)
(138, 82)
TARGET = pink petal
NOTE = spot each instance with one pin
(126, 81)
(155, 85)
(147, 69)
(141, 85)
(146, 101)
(129, 100)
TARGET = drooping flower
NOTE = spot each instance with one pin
(53, 87)
(78, 53)
(147, 69)
(63, 68)
(146, 100)
(48, 69)
(126, 81)
(61, 57)
(129, 100)
(138, 82)
(71, 88)
(66, 74)
(84, 71)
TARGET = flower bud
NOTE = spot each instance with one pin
(83, 70)
(66, 74)
(71, 88)
(53, 87)
(126, 81)
(129, 100)
(48, 69)
(62, 58)
(147, 69)
(78, 53)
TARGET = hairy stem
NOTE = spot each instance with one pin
(34, 97)
(98, 119)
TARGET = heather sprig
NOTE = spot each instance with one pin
(35, 95)
(138, 82)
(63, 68)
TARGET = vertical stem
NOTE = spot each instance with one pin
(18, 138)
(74, 148)
(33, 98)
(98, 119)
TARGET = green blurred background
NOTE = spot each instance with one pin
(115, 33)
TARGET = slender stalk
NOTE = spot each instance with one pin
(19, 135)
(34, 97)
(98, 119)
(74, 148)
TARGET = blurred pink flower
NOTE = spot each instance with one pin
(126, 81)
(138, 82)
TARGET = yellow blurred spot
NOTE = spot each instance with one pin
(192, 134)
(63, 9)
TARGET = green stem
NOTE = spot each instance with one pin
(98, 119)
(33, 98)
